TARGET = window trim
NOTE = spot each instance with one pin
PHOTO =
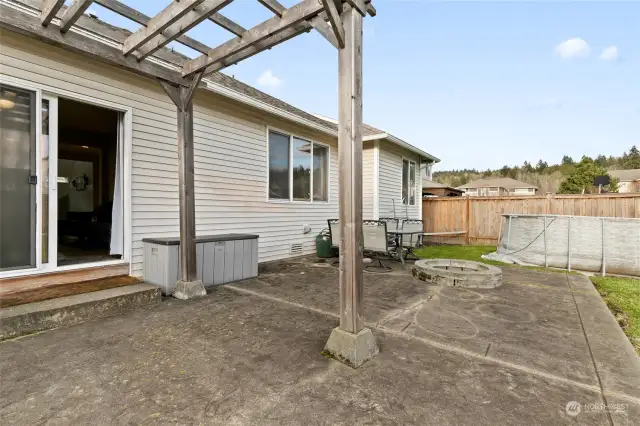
(313, 142)
(415, 201)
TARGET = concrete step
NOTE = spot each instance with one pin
(64, 311)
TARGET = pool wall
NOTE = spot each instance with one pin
(586, 243)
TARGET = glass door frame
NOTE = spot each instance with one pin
(125, 132)
(52, 251)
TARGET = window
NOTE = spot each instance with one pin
(298, 169)
(408, 182)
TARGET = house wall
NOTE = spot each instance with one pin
(390, 181)
(629, 186)
(368, 180)
(230, 153)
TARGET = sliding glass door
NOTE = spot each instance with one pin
(28, 166)
(18, 179)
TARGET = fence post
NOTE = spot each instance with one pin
(509, 234)
(468, 216)
(604, 257)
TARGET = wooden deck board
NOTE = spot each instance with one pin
(61, 290)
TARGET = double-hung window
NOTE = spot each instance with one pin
(408, 182)
(298, 169)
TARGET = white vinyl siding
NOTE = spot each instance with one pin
(390, 181)
(368, 181)
(230, 153)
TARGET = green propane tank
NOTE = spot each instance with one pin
(323, 245)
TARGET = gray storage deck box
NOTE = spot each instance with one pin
(220, 259)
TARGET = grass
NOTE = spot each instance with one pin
(622, 295)
(470, 253)
(457, 252)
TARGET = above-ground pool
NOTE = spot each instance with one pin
(586, 243)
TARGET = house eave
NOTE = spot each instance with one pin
(401, 143)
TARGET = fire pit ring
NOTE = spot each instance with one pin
(457, 273)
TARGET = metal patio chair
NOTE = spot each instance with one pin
(410, 241)
(376, 243)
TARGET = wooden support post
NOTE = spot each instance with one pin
(188, 285)
(351, 342)
(350, 169)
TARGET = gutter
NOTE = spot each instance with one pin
(402, 144)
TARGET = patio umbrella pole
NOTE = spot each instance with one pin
(351, 342)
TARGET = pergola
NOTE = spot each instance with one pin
(338, 21)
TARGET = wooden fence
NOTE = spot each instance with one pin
(481, 217)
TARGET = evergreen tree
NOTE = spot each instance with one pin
(527, 167)
(602, 161)
(632, 159)
(582, 176)
(542, 166)
(567, 160)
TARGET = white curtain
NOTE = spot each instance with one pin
(117, 224)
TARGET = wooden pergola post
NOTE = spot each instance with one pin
(351, 342)
(188, 286)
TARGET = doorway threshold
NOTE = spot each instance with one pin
(65, 275)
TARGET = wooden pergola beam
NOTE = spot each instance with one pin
(19, 22)
(159, 23)
(273, 5)
(125, 11)
(49, 10)
(226, 23)
(336, 22)
(181, 26)
(265, 44)
(302, 11)
(319, 25)
(73, 12)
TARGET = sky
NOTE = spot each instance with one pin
(476, 84)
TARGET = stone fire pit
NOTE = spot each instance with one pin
(457, 273)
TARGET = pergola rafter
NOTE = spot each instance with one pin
(141, 51)
(304, 10)
(159, 23)
(319, 24)
(74, 11)
(181, 26)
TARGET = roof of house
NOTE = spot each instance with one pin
(625, 175)
(430, 184)
(506, 183)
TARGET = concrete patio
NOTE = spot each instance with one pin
(249, 353)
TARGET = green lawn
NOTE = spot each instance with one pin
(622, 295)
(458, 252)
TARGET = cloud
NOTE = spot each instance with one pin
(267, 79)
(573, 48)
(609, 54)
(553, 103)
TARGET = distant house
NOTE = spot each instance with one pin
(629, 179)
(496, 187)
(437, 189)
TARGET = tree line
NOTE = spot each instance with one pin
(567, 177)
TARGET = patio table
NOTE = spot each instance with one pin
(398, 237)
